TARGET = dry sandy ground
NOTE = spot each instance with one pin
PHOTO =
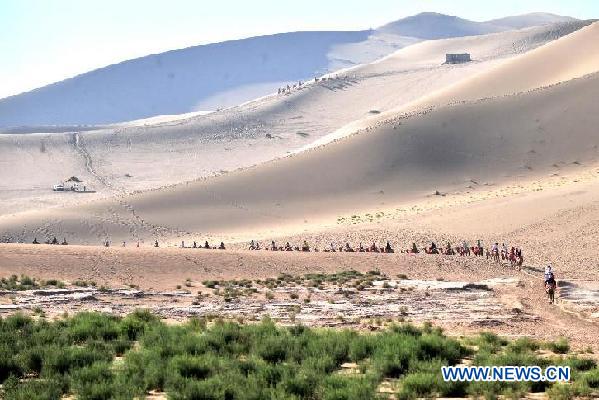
(514, 305)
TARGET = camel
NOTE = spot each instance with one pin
(550, 290)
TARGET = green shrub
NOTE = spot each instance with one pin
(591, 378)
(94, 382)
(336, 387)
(85, 326)
(560, 346)
(560, 392)
(523, 345)
(8, 364)
(32, 390)
(418, 385)
(580, 364)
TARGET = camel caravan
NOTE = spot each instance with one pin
(514, 255)
(54, 241)
(287, 89)
(496, 253)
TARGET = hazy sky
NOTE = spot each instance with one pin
(44, 41)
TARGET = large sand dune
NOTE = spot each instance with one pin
(493, 140)
(152, 154)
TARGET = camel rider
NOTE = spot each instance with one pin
(549, 277)
(414, 248)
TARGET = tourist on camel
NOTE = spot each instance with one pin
(519, 257)
(414, 249)
(348, 248)
(54, 240)
(288, 247)
(222, 246)
(388, 248)
(504, 252)
(35, 241)
(155, 243)
(361, 248)
(64, 242)
(305, 246)
(433, 249)
(206, 245)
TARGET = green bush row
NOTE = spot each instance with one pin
(225, 360)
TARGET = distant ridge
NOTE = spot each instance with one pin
(223, 74)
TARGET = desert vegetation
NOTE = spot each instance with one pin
(244, 287)
(24, 282)
(99, 356)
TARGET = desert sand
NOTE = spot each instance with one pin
(157, 153)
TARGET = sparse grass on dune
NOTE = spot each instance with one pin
(76, 356)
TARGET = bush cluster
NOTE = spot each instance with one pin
(225, 360)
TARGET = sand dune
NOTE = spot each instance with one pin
(570, 56)
(493, 140)
(152, 154)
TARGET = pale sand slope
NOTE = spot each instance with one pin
(571, 56)
(170, 152)
(493, 140)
